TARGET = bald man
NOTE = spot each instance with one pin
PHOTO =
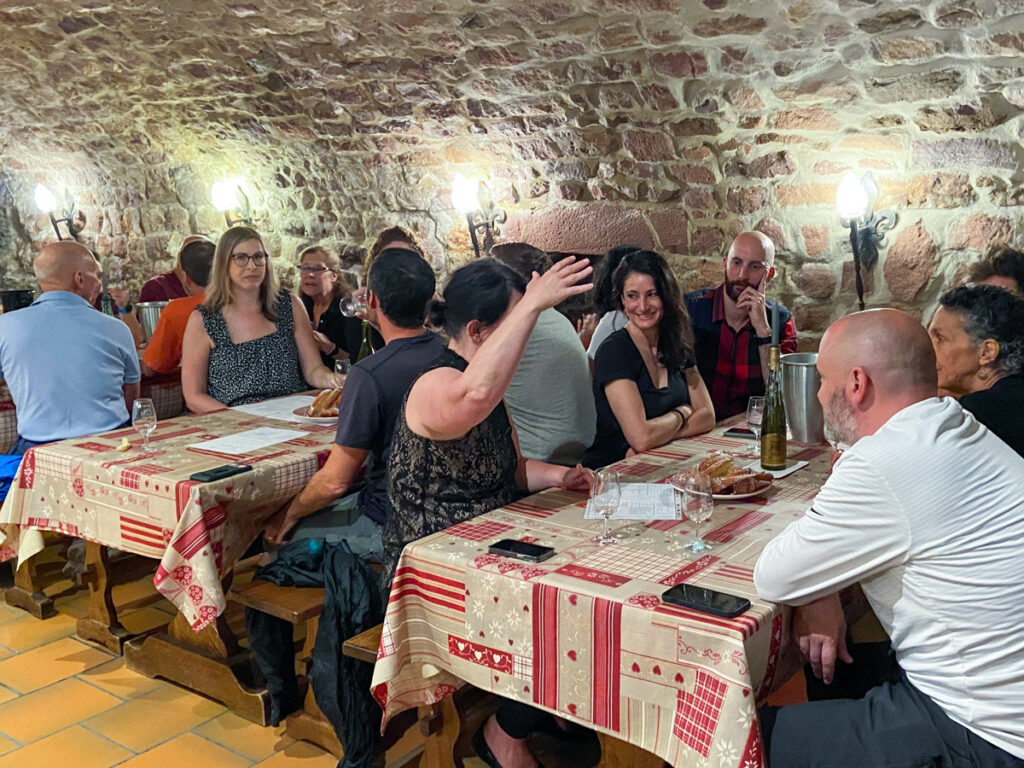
(170, 285)
(731, 328)
(926, 512)
(71, 370)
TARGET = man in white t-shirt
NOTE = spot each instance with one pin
(926, 512)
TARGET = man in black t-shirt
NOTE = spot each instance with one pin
(401, 284)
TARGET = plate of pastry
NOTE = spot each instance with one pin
(728, 482)
(323, 409)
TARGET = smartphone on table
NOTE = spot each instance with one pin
(219, 473)
(706, 600)
(521, 550)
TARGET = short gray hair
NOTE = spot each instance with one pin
(990, 312)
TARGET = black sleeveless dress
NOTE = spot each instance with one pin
(434, 484)
(254, 370)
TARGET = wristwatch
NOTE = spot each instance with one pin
(125, 309)
(762, 340)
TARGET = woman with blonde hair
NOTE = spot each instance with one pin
(249, 341)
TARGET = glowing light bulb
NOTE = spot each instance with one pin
(851, 197)
(225, 194)
(45, 199)
(465, 196)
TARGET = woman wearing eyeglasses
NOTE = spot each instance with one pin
(248, 341)
(322, 284)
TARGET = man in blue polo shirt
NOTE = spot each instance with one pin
(71, 370)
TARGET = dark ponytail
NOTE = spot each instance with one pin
(479, 291)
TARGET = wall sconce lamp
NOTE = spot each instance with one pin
(46, 202)
(225, 195)
(473, 198)
(855, 200)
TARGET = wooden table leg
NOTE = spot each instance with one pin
(440, 725)
(616, 753)
(101, 626)
(27, 593)
(210, 662)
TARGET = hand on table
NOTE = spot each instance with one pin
(577, 479)
(820, 629)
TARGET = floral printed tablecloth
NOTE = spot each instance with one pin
(145, 503)
(585, 633)
(164, 389)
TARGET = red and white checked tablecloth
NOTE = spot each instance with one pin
(585, 633)
(145, 503)
(164, 389)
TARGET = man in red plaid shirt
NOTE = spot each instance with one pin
(731, 328)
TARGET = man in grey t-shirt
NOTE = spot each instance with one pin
(550, 399)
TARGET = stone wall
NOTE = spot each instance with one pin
(672, 124)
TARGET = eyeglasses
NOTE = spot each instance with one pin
(312, 268)
(241, 259)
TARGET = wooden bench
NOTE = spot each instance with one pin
(302, 606)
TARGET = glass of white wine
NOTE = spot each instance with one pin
(755, 415)
(144, 419)
(698, 505)
(605, 494)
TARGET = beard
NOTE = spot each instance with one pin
(840, 419)
(735, 287)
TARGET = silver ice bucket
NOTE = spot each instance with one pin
(800, 382)
(149, 313)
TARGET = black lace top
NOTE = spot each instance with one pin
(434, 484)
(255, 370)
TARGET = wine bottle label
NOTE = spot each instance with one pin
(773, 451)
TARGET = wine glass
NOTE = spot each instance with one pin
(355, 303)
(697, 505)
(605, 493)
(342, 366)
(755, 414)
(144, 419)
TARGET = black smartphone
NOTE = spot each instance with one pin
(706, 600)
(739, 432)
(219, 473)
(521, 550)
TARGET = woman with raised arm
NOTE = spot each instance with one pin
(248, 341)
(646, 385)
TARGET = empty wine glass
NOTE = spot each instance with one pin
(355, 303)
(342, 366)
(605, 493)
(144, 419)
(755, 414)
(697, 506)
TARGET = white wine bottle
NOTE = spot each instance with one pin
(773, 423)
(366, 348)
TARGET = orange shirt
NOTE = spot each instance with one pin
(163, 354)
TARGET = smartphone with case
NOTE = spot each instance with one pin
(706, 600)
(521, 550)
(219, 473)
(739, 432)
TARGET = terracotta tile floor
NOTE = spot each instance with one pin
(66, 702)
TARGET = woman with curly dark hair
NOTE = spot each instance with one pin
(646, 385)
(979, 354)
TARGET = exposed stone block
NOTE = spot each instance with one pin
(812, 317)
(816, 281)
(942, 190)
(981, 231)
(733, 25)
(906, 49)
(815, 239)
(848, 281)
(805, 194)
(963, 117)
(771, 165)
(707, 240)
(962, 153)
(774, 233)
(590, 228)
(806, 119)
(648, 145)
(692, 174)
(746, 199)
(671, 228)
(890, 21)
(910, 262)
(678, 64)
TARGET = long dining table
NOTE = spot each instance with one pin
(144, 502)
(585, 635)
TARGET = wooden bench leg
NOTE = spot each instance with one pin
(27, 593)
(440, 725)
(616, 753)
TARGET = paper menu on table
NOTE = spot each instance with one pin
(642, 501)
(249, 441)
(281, 408)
